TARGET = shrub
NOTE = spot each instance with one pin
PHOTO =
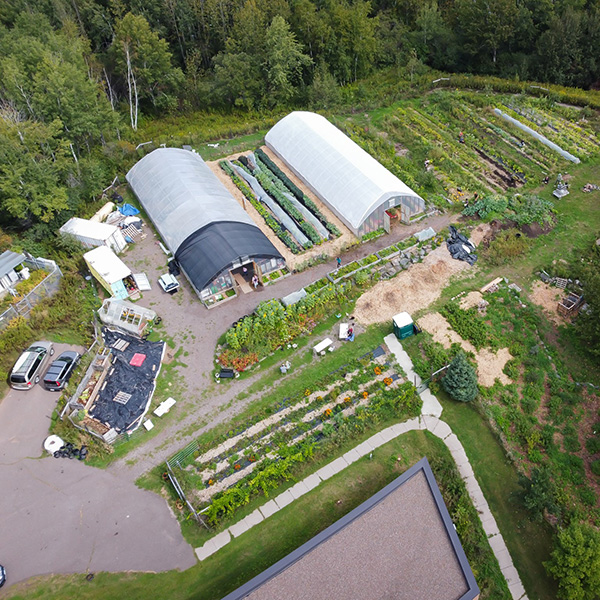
(361, 278)
(595, 466)
(460, 380)
(575, 562)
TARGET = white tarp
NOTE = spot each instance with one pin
(142, 282)
(92, 233)
(537, 136)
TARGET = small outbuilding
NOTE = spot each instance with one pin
(403, 325)
(112, 273)
(214, 240)
(355, 186)
(93, 234)
(9, 261)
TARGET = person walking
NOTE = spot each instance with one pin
(255, 280)
(338, 262)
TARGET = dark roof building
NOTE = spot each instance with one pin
(202, 224)
(399, 545)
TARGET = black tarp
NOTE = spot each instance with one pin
(460, 247)
(123, 377)
(206, 253)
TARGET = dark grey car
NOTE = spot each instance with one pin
(60, 371)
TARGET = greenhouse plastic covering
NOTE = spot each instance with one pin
(201, 223)
(340, 172)
(537, 136)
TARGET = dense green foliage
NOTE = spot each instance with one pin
(575, 562)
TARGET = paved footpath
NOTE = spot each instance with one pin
(428, 420)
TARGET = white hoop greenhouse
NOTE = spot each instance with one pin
(356, 187)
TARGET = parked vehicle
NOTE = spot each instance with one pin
(30, 365)
(59, 372)
(2, 575)
(168, 283)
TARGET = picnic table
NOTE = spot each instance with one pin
(164, 407)
(320, 348)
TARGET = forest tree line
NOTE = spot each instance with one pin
(77, 75)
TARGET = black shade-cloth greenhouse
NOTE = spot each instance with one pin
(214, 248)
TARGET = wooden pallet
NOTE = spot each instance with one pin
(133, 232)
(120, 344)
(561, 283)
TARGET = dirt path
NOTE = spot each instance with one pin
(198, 329)
(547, 297)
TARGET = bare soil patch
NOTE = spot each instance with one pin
(470, 300)
(547, 297)
(489, 364)
(415, 288)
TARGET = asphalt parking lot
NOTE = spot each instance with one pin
(61, 516)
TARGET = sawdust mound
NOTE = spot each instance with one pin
(470, 300)
(415, 288)
(489, 364)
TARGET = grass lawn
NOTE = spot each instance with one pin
(251, 553)
(528, 542)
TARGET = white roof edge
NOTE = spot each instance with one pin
(107, 264)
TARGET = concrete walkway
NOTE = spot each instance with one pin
(429, 420)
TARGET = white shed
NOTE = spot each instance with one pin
(109, 270)
(92, 234)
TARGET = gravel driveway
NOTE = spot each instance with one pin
(61, 516)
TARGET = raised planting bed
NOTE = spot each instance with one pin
(317, 285)
(368, 260)
(350, 268)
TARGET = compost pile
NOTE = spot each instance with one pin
(136, 381)
(460, 247)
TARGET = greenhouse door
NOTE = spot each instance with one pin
(386, 221)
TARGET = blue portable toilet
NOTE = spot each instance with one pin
(403, 325)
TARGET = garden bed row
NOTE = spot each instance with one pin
(294, 218)
(221, 479)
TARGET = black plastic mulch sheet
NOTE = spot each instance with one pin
(457, 244)
(123, 377)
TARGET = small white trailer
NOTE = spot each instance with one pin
(93, 234)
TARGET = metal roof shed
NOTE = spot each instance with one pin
(92, 234)
(108, 269)
(356, 187)
(8, 261)
(202, 224)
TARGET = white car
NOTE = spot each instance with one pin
(168, 283)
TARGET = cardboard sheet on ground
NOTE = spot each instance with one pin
(138, 381)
